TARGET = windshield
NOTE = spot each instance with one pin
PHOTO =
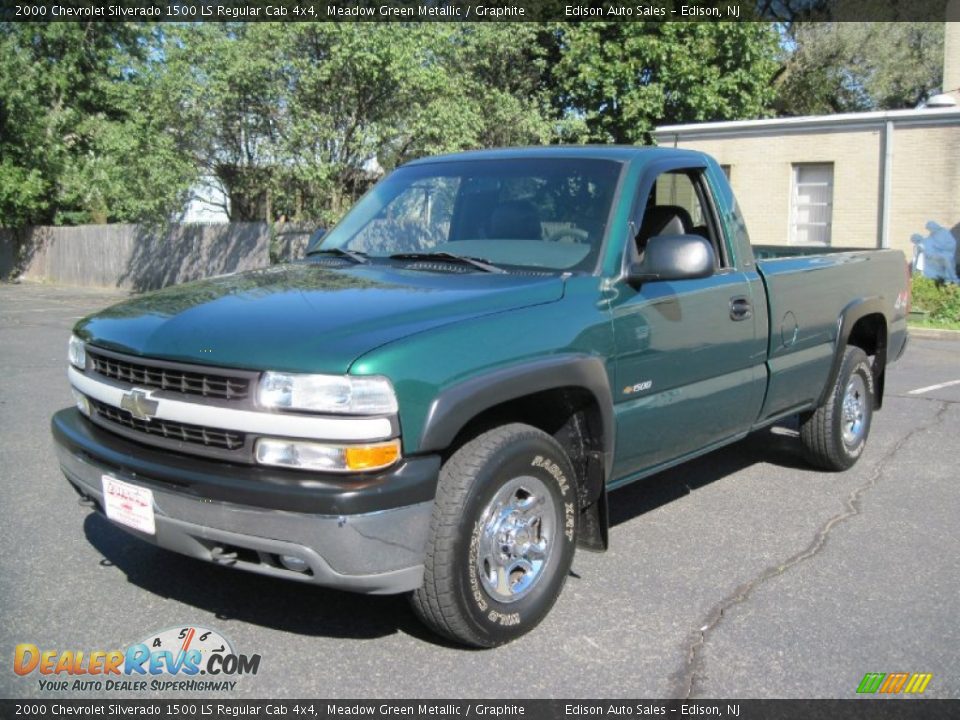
(548, 213)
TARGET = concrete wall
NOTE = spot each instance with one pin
(141, 258)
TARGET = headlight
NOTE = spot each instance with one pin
(307, 455)
(344, 394)
(76, 352)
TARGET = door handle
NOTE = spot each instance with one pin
(740, 308)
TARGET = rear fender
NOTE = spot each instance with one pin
(851, 314)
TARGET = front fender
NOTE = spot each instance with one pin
(455, 406)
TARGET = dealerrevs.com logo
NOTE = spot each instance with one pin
(177, 659)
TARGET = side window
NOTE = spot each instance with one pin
(679, 203)
(416, 219)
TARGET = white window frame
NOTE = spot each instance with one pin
(795, 205)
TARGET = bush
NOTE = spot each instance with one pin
(940, 301)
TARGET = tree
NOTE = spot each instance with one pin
(851, 67)
(295, 119)
(114, 122)
(624, 78)
(80, 140)
(226, 79)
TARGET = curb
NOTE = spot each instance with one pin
(925, 333)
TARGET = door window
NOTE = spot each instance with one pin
(679, 204)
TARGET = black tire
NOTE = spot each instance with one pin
(831, 439)
(516, 465)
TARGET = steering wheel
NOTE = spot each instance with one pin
(568, 235)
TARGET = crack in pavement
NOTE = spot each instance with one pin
(693, 665)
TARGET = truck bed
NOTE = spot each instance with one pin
(807, 292)
(776, 252)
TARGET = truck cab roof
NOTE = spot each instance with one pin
(618, 153)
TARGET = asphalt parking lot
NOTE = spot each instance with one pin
(743, 574)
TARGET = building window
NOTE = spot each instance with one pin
(812, 206)
(726, 170)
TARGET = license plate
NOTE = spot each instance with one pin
(128, 504)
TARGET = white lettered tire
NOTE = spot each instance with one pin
(835, 434)
(502, 537)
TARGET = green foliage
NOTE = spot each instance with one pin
(82, 138)
(940, 301)
(289, 118)
(624, 78)
(850, 66)
(106, 122)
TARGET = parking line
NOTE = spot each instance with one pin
(921, 391)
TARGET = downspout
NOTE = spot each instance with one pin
(886, 170)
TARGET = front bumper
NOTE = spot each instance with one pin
(358, 534)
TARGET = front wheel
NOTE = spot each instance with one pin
(502, 537)
(835, 434)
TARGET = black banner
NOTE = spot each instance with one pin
(477, 10)
(855, 709)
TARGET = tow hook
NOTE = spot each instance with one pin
(222, 557)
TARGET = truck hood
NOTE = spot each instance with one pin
(304, 317)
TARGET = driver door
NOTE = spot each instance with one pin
(690, 354)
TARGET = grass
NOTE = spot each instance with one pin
(933, 324)
(940, 303)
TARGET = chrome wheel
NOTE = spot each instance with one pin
(834, 435)
(855, 400)
(518, 528)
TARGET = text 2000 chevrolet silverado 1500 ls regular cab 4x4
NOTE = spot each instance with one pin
(437, 399)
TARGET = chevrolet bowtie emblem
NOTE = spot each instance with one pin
(139, 404)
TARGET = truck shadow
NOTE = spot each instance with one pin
(777, 445)
(230, 595)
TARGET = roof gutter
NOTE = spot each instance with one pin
(671, 134)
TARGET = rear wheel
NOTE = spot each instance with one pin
(835, 434)
(501, 537)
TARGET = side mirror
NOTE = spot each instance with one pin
(674, 257)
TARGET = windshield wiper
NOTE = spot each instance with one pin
(356, 255)
(478, 263)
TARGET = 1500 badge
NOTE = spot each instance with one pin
(639, 387)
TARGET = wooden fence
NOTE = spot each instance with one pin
(138, 257)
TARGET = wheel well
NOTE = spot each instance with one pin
(572, 416)
(869, 334)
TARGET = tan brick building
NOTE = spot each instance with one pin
(854, 180)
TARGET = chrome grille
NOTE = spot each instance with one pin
(166, 376)
(194, 434)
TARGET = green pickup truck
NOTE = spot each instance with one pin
(439, 397)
